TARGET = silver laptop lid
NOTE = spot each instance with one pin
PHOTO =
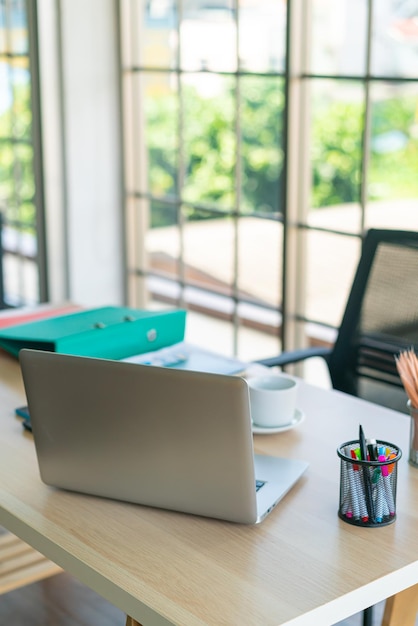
(154, 436)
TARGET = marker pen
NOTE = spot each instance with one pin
(359, 493)
(387, 486)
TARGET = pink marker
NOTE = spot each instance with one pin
(387, 485)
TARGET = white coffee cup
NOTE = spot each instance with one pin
(273, 399)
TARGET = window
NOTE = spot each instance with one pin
(20, 156)
(262, 137)
(363, 104)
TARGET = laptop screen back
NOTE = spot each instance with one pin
(167, 438)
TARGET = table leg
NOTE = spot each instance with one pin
(130, 621)
(368, 616)
(401, 609)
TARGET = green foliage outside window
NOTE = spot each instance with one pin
(210, 151)
(210, 148)
(336, 151)
(17, 185)
(336, 154)
(394, 160)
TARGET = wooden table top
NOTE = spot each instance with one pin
(301, 566)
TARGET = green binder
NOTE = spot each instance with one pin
(107, 332)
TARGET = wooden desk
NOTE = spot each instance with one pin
(301, 566)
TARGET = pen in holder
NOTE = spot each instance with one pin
(413, 435)
(368, 487)
(407, 366)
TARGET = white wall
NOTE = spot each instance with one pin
(82, 150)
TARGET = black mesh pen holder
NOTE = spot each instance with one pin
(368, 487)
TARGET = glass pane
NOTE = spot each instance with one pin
(17, 183)
(4, 47)
(6, 100)
(6, 170)
(262, 36)
(208, 36)
(22, 112)
(19, 32)
(210, 332)
(13, 27)
(162, 290)
(258, 333)
(161, 132)
(394, 148)
(21, 280)
(23, 170)
(209, 245)
(209, 140)
(15, 105)
(149, 33)
(331, 263)
(395, 38)
(397, 214)
(262, 102)
(17, 186)
(336, 146)
(260, 260)
(339, 31)
(162, 241)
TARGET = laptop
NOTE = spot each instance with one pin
(162, 437)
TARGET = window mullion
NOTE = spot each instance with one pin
(297, 175)
(365, 157)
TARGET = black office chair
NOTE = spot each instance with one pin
(380, 319)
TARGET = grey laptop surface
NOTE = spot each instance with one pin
(160, 437)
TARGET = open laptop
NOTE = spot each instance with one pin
(161, 437)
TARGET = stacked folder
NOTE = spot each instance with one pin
(106, 332)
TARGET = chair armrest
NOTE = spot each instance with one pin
(295, 356)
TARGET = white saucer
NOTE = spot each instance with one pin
(270, 430)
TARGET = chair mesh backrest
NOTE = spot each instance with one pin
(390, 306)
(381, 316)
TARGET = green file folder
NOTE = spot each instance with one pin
(107, 332)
